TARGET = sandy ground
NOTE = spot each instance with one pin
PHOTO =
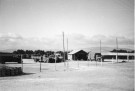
(78, 76)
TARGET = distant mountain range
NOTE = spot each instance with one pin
(103, 49)
(94, 49)
(8, 50)
(11, 50)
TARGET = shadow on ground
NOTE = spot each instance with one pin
(26, 74)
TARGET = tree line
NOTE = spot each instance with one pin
(28, 53)
(36, 52)
(122, 51)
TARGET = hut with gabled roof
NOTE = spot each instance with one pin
(77, 55)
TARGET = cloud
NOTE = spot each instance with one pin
(16, 41)
(9, 40)
(76, 40)
(82, 41)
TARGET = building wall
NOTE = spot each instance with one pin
(77, 57)
(70, 57)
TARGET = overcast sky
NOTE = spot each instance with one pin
(38, 24)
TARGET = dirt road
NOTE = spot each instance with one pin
(77, 77)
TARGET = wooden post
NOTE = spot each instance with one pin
(127, 56)
(78, 62)
(22, 62)
(128, 52)
(100, 53)
(40, 64)
(112, 60)
(89, 57)
(88, 62)
(55, 62)
(96, 60)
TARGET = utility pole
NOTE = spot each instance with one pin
(117, 49)
(100, 46)
(63, 51)
(67, 54)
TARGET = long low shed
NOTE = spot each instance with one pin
(9, 57)
(110, 55)
(122, 54)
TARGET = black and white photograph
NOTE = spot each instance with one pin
(67, 45)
